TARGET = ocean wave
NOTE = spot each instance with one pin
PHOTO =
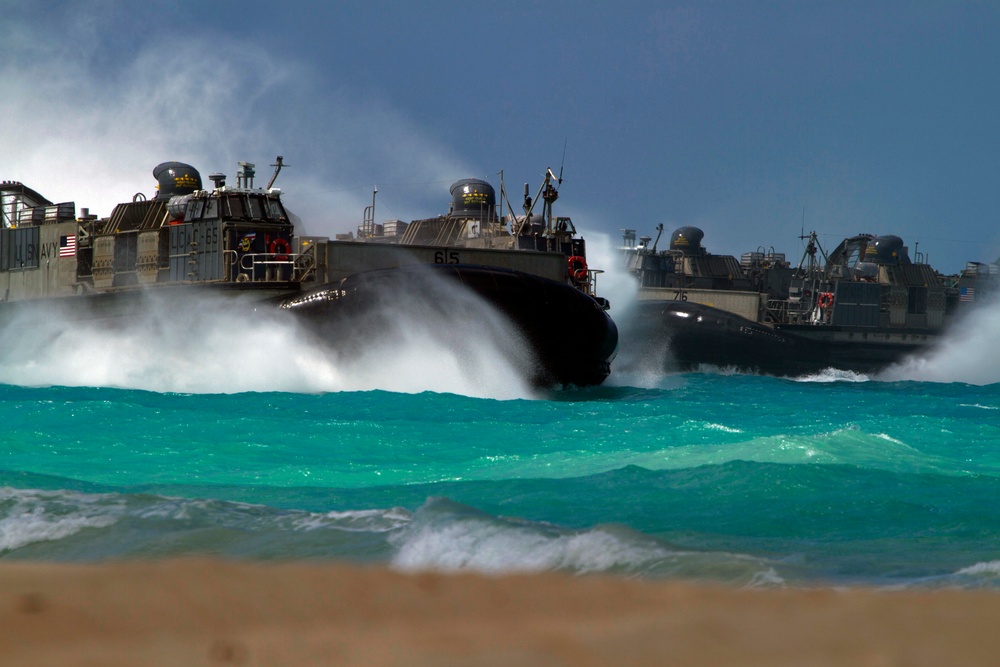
(850, 445)
(441, 535)
(986, 569)
(68, 525)
(447, 536)
(31, 516)
(832, 375)
(361, 521)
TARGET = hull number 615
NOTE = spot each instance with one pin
(446, 257)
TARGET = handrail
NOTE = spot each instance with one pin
(592, 281)
(289, 259)
(270, 266)
(261, 267)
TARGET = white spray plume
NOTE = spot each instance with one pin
(640, 362)
(85, 125)
(215, 346)
(968, 353)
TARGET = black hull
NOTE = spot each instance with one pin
(702, 335)
(571, 339)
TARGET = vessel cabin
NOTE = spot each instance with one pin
(242, 236)
(867, 281)
(475, 230)
(183, 235)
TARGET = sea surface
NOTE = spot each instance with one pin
(227, 441)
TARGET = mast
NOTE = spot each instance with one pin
(277, 169)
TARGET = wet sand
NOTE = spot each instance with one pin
(209, 612)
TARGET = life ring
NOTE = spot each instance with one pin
(280, 249)
(577, 268)
(825, 300)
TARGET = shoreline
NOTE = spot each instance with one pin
(218, 612)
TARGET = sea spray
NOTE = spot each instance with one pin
(215, 345)
(968, 353)
(641, 361)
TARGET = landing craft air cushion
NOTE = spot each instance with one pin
(240, 243)
(864, 307)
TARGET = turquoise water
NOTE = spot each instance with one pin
(200, 433)
(706, 476)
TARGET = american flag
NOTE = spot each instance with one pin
(966, 293)
(67, 245)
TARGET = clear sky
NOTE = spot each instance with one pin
(751, 120)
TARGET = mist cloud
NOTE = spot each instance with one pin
(87, 119)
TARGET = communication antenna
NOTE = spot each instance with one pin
(278, 164)
(563, 161)
(659, 230)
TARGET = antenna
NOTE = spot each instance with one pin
(563, 161)
(277, 168)
(659, 229)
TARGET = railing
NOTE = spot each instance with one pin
(788, 311)
(776, 311)
(263, 267)
(587, 285)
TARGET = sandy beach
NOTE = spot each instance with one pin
(207, 612)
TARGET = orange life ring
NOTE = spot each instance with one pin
(577, 268)
(285, 247)
(825, 300)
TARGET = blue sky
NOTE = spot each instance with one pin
(751, 120)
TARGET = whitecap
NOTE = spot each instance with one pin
(988, 568)
(446, 536)
(832, 375)
(28, 516)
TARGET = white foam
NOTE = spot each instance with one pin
(462, 540)
(31, 516)
(356, 521)
(833, 375)
(724, 429)
(495, 548)
(989, 568)
(767, 578)
(213, 346)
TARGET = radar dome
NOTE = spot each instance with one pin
(473, 198)
(886, 250)
(687, 240)
(175, 178)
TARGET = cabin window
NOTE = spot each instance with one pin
(194, 210)
(211, 208)
(256, 210)
(274, 209)
(853, 255)
(236, 207)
